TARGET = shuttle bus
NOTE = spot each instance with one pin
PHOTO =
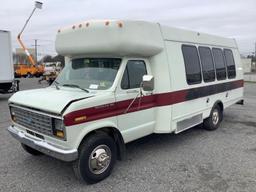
(124, 80)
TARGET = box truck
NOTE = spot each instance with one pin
(124, 80)
(7, 82)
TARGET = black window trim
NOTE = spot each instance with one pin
(145, 64)
(227, 63)
(201, 77)
(214, 68)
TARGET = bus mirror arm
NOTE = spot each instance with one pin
(147, 85)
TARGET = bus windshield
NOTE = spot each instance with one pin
(90, 73)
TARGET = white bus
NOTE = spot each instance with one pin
(124, 80)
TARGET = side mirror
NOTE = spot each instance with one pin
(148, 83)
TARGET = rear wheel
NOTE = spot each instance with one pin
(31, 150)
(215, 118)
(97, 156)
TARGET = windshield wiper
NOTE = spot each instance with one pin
(56, 84)
(75, 86)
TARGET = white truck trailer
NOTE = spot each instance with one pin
(124, 80)
(7, 82)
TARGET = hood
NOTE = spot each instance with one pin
(48, 99)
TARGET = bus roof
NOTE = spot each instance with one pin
(127, 38)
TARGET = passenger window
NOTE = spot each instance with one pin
(230, 63)
(192, 65)
(207, 64)
(219, 63)
(134, 71)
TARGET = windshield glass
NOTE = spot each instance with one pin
(90, 73)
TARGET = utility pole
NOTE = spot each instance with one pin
(255, 51)
(36, 46)
(36, 50)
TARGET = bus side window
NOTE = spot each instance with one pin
(219, 63)
(207, 64)
(192, 64)
(230, 63)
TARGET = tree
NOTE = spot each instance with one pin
(46, 58)
(59, 58)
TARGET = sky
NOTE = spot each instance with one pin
(228, 18)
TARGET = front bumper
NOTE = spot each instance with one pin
(43, 146)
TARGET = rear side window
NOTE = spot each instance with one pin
(134, 71)
(192, 64)
(207, 64)
(230, 63)
(219, 63)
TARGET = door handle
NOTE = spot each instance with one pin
(132, 91)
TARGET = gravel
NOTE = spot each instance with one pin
(195, 160)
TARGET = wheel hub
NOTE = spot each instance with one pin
(99, 159)
(215, 117)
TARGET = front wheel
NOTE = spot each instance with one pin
(214, 120)
(97, 156)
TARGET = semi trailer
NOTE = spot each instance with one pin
(7, 82)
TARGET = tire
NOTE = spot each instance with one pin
(31, 150)
(101, 145)
(214, 120)
(29, 75)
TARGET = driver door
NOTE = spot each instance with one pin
(136, 119)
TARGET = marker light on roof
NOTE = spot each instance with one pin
(80, 25)
(107, 23)
(73, 27)
(120, 24)
(87, 24)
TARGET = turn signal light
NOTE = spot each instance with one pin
(60, 134)
(81, 118)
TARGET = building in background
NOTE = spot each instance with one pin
(247, 64)
(20, 57)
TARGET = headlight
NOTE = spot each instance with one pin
(58, 124)
(59, 128)
(13, 115)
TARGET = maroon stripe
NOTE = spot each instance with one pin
(147, 102)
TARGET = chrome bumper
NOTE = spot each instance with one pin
(44, 147)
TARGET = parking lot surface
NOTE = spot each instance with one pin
(195, 160)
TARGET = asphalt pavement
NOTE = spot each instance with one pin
(193, 161)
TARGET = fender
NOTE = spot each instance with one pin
(106, 126)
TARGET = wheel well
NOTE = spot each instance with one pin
(220, 104)
(117, 137)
